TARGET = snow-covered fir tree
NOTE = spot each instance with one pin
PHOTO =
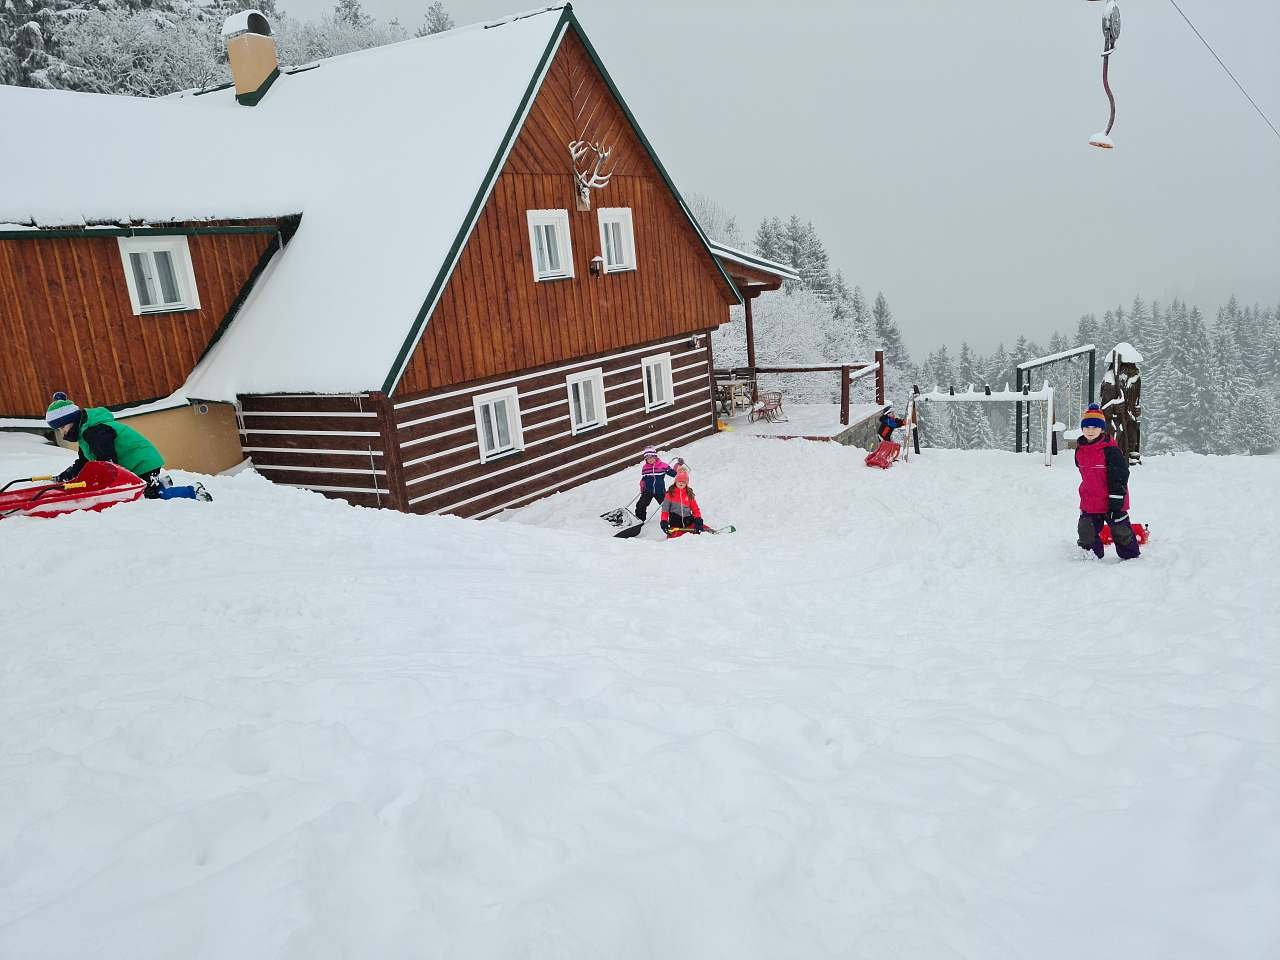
(436, 20)
(30, 50)
(716, 221)
(351, 12)
(887, 336)
(769, 241)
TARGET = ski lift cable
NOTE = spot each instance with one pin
(1227, 69)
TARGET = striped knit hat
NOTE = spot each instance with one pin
(1093, 417)
(682, 473)
(61, 412)
(649, 452)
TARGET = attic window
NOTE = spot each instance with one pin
(549, 241)
(159, 275)
(617, 239)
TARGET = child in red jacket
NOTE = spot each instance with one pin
(680, 511)
(1104, 488)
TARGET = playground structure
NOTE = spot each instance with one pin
(1024, 395)
(1022, 377)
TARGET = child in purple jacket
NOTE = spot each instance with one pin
(653, 480)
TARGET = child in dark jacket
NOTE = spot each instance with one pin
(1104, 488)
(653, 480)
(889, 422)
(680, 511)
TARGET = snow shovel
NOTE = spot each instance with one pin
(618, 515)
(634, 529)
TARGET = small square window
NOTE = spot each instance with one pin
(586, 400)
(549, 242)
(617, 239)
(657, 381)
(498, 424)
(158, 273)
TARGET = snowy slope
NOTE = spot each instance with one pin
(894, 716)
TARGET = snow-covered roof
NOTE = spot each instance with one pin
(1128, 353)
(724, 252)
(382, 151)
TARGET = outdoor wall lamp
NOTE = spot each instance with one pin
(597, 266)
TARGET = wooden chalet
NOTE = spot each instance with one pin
(473, 289)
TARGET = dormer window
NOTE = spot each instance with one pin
(159, 275)
(549, 240)
(617, 239)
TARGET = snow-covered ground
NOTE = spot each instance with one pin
(895, 715)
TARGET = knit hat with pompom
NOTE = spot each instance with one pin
(1093, 417)
(61, 412)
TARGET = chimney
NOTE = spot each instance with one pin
(252, 54)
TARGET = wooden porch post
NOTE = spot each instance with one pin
(880, 376)
(844, 396)
(396, 491)
(751, 345)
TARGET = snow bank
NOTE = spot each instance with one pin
(895, 715)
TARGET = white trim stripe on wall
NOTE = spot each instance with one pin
(489, 493)
(608, 466)
(488, 385)
(590, 436)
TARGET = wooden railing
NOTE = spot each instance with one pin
(849, 373)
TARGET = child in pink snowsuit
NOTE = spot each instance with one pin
(1104, 488)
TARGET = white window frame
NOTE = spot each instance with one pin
(663, 362)
(183, 273)
(514, 429)
(564, 246)
(621, 216)
(595, 378)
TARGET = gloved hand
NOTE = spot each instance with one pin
(666, 527)
(697, 524)
(1117, 516)
(679, 461)
(67, 475)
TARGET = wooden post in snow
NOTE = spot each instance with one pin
(844, 396)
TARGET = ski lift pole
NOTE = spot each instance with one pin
(1110, 34)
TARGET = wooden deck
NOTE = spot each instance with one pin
(807, 421)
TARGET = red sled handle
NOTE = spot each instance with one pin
(1140, 532)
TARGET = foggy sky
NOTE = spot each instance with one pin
(941, 148)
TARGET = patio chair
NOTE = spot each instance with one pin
(769, 407)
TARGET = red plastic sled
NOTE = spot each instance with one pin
(1139, 531)
(883, 455)
(99, 485)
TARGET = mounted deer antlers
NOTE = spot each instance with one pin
(595, 180)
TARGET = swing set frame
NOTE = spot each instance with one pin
(1022, 378)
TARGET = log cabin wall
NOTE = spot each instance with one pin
(335, 445)
(66, 321)
(494, 318)
(437, 443)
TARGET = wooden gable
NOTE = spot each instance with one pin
(493, 318)
(68, 323)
